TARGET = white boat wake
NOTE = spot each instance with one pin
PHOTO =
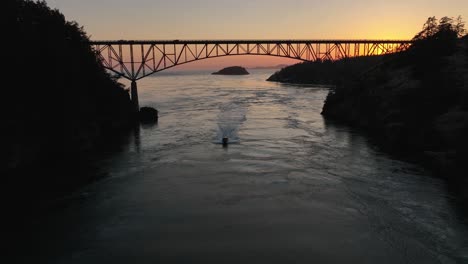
(230, 119)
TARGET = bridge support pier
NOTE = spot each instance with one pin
(134, 96)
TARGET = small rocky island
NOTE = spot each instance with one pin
(234, 70)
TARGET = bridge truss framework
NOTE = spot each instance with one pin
(135, 60)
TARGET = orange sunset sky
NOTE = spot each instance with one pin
(254, 19)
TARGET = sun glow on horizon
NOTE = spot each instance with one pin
(259, 19)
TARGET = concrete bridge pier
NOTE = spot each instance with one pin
(134, 96)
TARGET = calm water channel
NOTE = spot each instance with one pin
(291, 188)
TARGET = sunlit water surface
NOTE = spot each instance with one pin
(291, 188)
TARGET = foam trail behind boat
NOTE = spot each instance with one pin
(230, 119)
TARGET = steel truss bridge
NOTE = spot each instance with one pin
(135, 60)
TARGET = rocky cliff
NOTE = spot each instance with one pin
(234, 70)
(416, 102)
(59, 104)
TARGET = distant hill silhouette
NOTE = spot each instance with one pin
(60, 102)
(325, 72)
(279, 66)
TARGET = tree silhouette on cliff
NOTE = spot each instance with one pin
(421, 107)
(439, 37)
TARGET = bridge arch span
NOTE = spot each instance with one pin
(203, 59)
(135, 60)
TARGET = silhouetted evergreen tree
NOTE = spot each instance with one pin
(438, 37)
(428, 55)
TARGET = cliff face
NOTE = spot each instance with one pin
(61, 100)
(416, 102)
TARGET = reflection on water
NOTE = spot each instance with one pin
(292, 190)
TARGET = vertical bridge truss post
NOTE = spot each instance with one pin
(134, 96)
(135, 60)
(133, 77)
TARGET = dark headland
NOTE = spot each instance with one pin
(234, 70)
(413, 104)
(325, 72)
(59, 111)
